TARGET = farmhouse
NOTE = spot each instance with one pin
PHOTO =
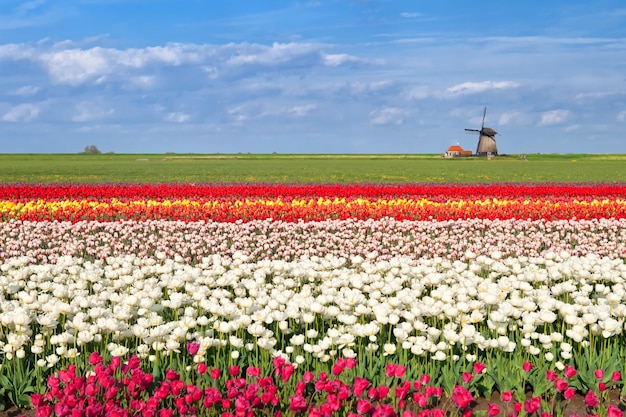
(456, 151)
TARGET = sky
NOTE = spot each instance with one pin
(326, 76)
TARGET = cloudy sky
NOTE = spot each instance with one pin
(326, 76)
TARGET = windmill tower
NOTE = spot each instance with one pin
(486, 139)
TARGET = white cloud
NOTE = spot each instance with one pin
(387, 116)
(142, 81)
(300, 111)
(29, 5)
(554, 117)
(211, 71)
(596, 95)
(479, 87)
(410, 14)
(177, 117)
(22, 112)
(15, 51)
(512, 118)
(75, 66)
(335, 60)
(572, 128)
(238, 113)
(365, 87)
(278, 53)
(26, 90)
(621, 116)
(70, 64)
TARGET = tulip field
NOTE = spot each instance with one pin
(285, 299)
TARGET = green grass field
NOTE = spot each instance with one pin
(34, 168)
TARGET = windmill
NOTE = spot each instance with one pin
(486, 139)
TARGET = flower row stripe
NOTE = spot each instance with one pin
(437, 192)
(310, 209)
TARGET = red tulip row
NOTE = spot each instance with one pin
(125, 390)
(219, 191)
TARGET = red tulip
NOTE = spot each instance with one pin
(461, 396)
(506, 396)
(569, 371)
(479, 367)
(532, 405)
(493, 410)
(591, 399)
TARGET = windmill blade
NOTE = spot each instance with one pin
(484, 114)
(472, 130)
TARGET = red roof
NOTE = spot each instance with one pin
(455, 148)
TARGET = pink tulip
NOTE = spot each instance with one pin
(234, 370)
(437, 412)
(393, 370)
(613, 411)
(383, 391)
(337, 368)
(298, 404)
(591, 399)
(506, 396)
(402, 390)
(560, 385)
(350, 363)
(493, 410)
(360, 385)
(569, 371)
(171, 375)
(479, 367)
(466, 377)
(420, 399)
(308, 376)
(461, 396)
(193, 348)
(115, 362)
(95, 358)
(363, 406)
(532, 405)
(569, 393)
(202, 368)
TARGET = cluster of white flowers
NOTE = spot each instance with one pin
(314, 307)
(267, 239)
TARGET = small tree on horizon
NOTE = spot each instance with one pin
(91, 149)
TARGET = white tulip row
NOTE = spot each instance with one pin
(315, 307)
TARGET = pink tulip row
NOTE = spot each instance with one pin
(266, 239)
(125, 389)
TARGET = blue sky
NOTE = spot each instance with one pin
(326, 76)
